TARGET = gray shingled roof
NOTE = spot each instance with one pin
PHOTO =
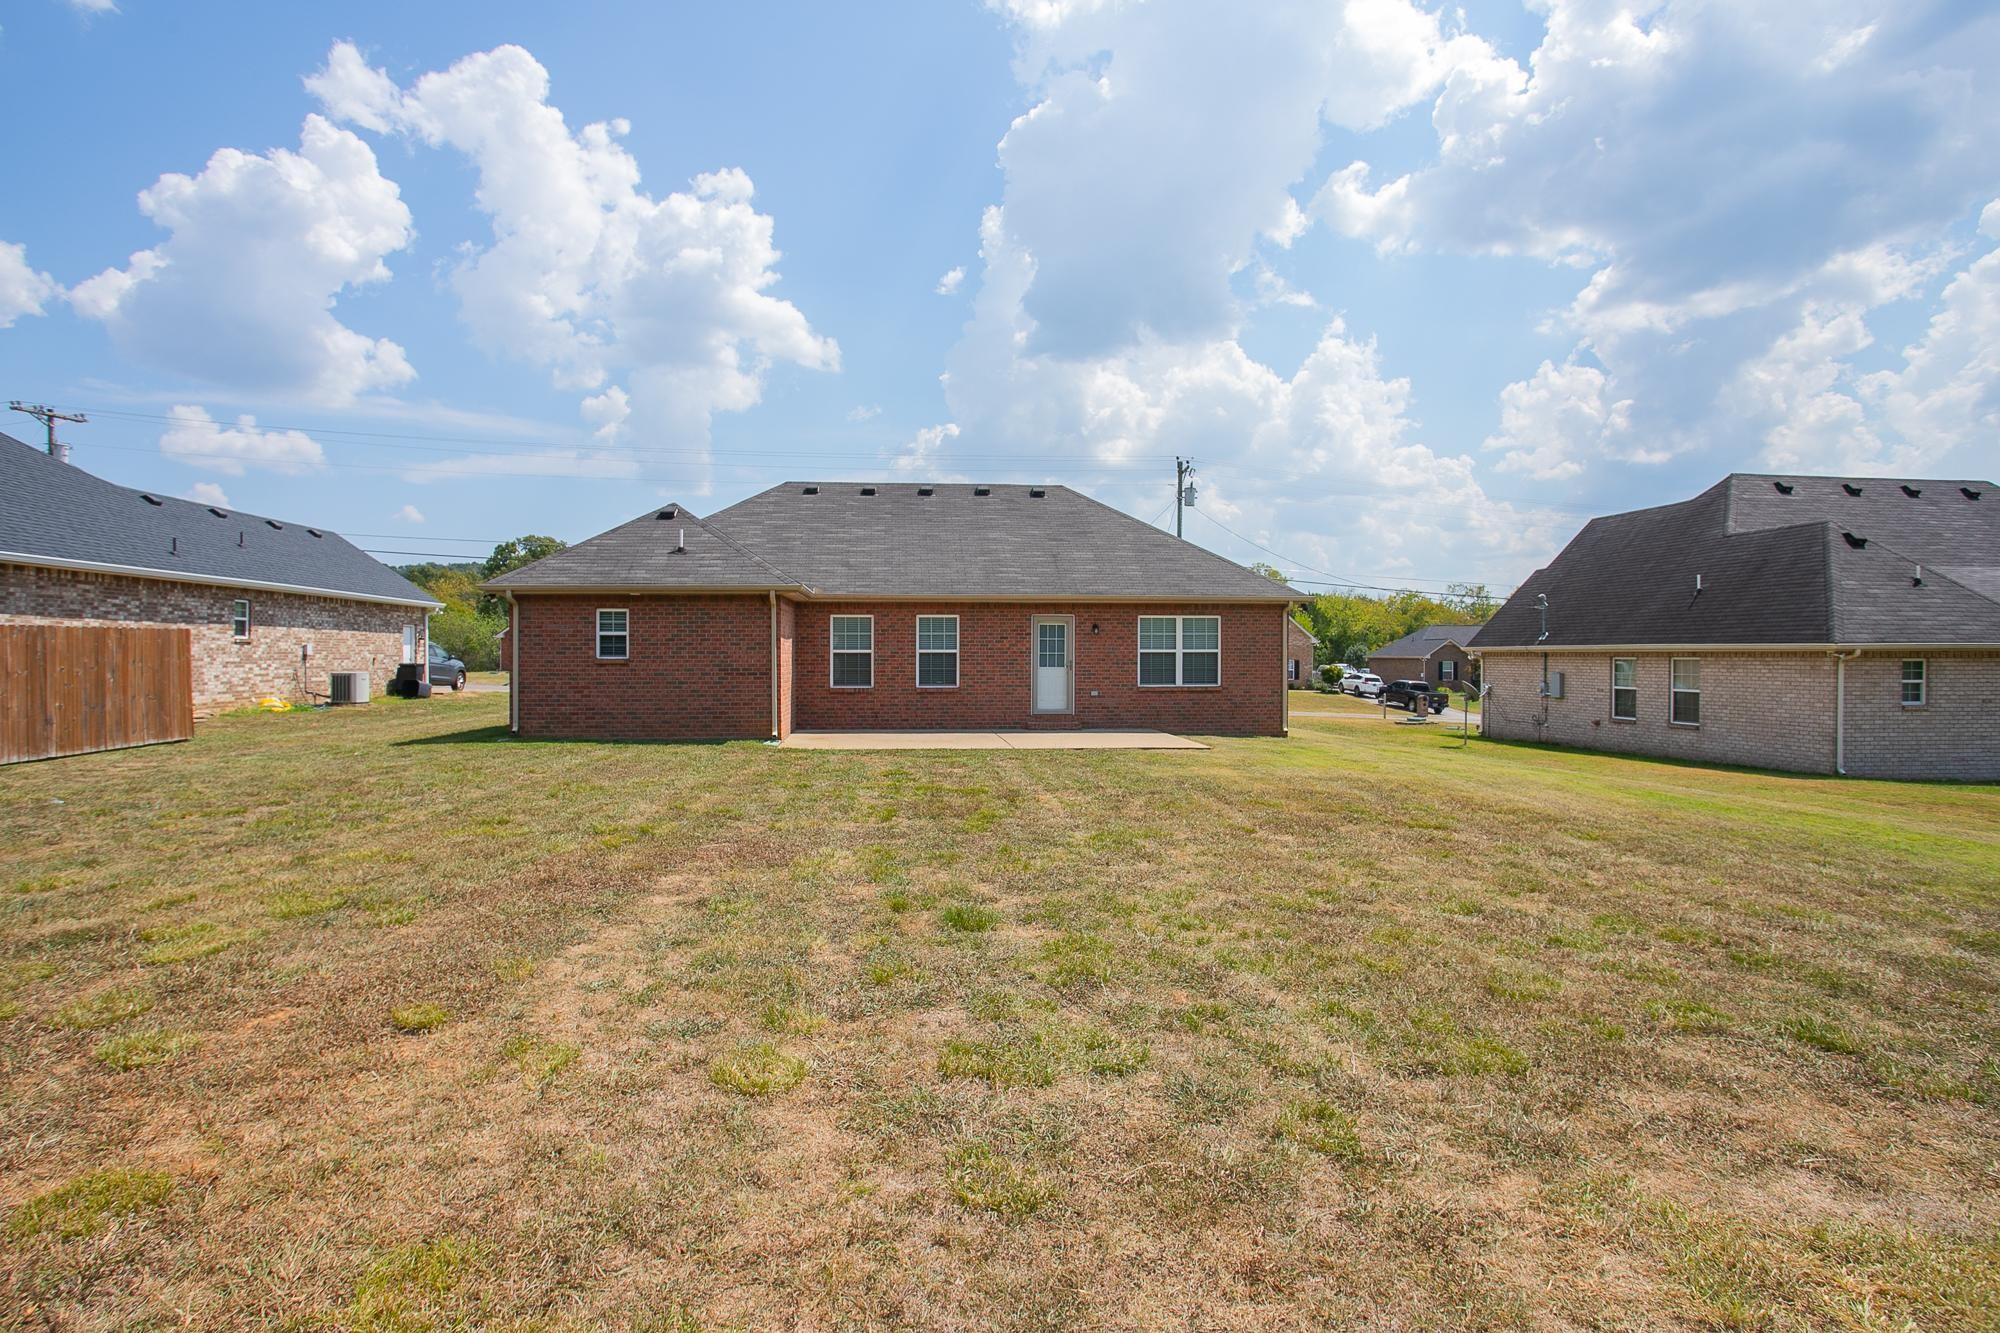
(1424, 642)
(1779, 564)
(905, 539)
(54, 514)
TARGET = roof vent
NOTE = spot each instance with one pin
(982, 490)
(219, 513)
(154, 499)
(1036, 492)
(1784, 487)
(1965, 491)
(315, 532)
(274, 525)
(1850, 488)
(868, 490)
(1858, 543)
(669, 512)
(1911, 491)
(812, 490)
(926, 490)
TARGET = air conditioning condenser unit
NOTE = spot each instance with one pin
(348, 687)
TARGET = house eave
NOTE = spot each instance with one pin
(211, 580)
(1500, 649)
(823, 595)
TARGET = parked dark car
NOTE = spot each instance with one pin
(446, 669)
(1414, 695)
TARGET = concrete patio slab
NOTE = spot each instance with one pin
(990, 740)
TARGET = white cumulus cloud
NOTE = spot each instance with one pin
(197, 439)
(409, 514)
(1129, 249)
(23, 291)
(260, 246)
(1743, 184)
(658, 307)
(208, 493)
(1552, 424)
(948, 284)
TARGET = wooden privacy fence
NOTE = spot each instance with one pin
(72, 689)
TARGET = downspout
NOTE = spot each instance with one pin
(776, 734)
(1840, 661)
(513, 665)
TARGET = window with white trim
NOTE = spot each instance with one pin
(1916, 683)
(851, 645)
(1686, 690)
(1625, 689)
(614, 634)
(239, 618)
(937, 652)
(1180, 650)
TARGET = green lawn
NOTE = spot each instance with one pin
(378, 1019)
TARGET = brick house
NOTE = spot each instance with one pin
(1300, 646)
(1435, 653)
(1817, 624)
(272, 606)
(843, 606)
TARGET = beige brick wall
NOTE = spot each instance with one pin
(1764, 710)
(345, 635)
(1955, 733)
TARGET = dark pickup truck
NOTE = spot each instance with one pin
(1414, 695)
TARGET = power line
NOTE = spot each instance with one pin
(1333, 579)
(462, 557)
(704, 457)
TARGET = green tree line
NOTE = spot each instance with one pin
(469, 626)
(1350, 626)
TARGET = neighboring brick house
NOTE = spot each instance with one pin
(1817, 624)
(272, 606)
(1300, 646)
(1435, 653)
(843, 606)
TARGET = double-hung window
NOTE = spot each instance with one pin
(1180, 650)
(1686, 689)
(851, 645)
(937, 652)
(1447, 669)
(1915, 682)
(1625, 689)
(239, 618)
(614, 634)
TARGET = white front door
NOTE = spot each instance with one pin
(409, 644)
(1052, 666)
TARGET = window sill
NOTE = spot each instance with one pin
(937, 687)
(1691, 726)
(614, 659)
(1633, 721)
(850, 687)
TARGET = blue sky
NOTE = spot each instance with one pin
(1419, 288)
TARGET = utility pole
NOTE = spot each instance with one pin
(48, 416)
(1183, 489)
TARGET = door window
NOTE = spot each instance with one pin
(1053, 643)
